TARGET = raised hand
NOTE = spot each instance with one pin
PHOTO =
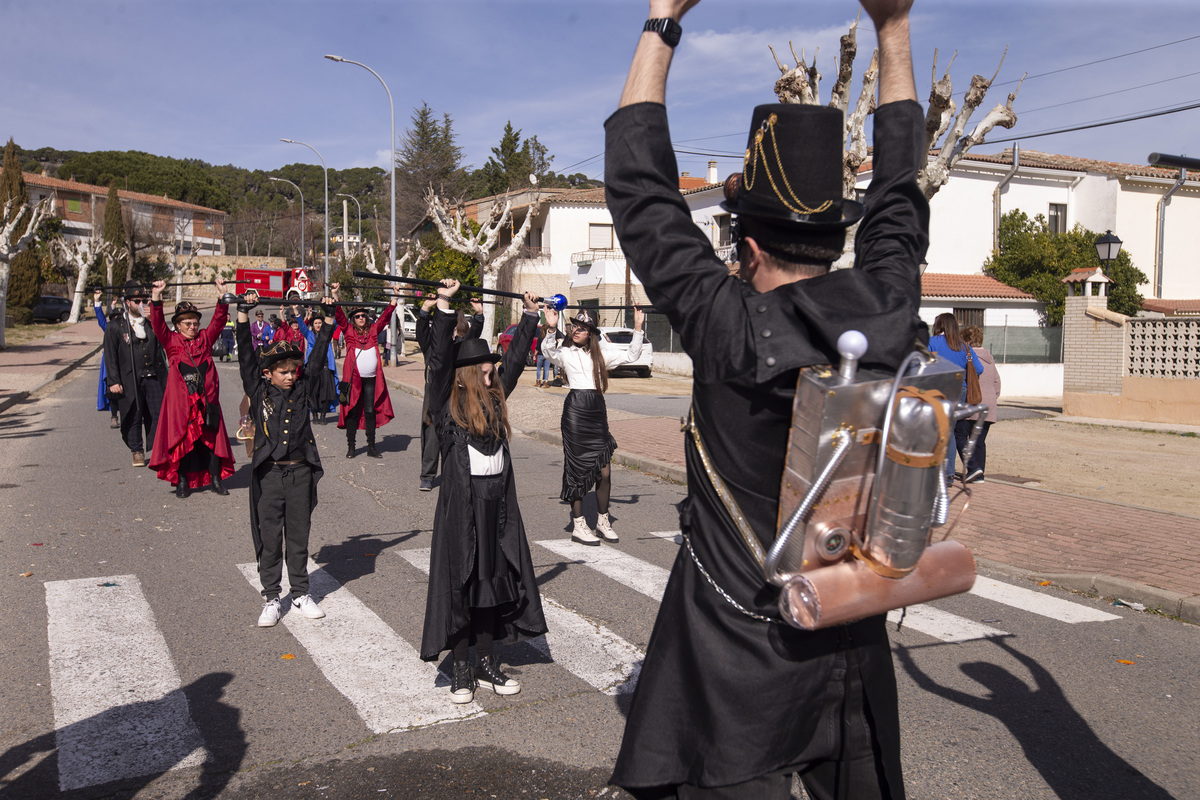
(477, 305)
(96, 296)
(530, 302)
(639, 318)
(156, 290)
(551, 316)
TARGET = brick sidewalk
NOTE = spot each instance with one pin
(28, 367)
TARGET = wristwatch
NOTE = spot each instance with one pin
(665, 27)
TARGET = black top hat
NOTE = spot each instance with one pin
(582, 320)
(473, 351)
(278, 351)
(184, 309)
(135, 289)
(792, 170)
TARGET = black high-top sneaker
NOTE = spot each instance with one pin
(487, 673)
(462, 685)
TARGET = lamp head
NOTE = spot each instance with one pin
(289, 141)
(335, 58)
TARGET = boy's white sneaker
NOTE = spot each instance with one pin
(271, 612)
(307, 607)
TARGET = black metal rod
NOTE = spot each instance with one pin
(439, 285)
(264, 301)
(1179, 162)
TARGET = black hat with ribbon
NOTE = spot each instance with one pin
(473, 351)
(184, 309)
(792, 170)
(278, 351)
(135, 289)
(582, 320)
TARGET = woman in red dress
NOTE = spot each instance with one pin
(370, 405)
(191, 448)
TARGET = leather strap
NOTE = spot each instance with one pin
(934, 399)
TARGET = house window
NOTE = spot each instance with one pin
(1058, 218)
(968, 316)
(724, 230)
(600, 237)
(75, 206)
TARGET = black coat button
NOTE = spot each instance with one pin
(762, 309)
(770, 361)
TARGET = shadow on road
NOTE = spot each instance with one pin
(31, 770)
(1057, 741)
(355, 557)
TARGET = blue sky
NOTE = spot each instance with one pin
(223, 81)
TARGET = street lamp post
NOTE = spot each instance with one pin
(1108, 247)
(355, 199)
(326, 169)
(392, 159)
(301, 193)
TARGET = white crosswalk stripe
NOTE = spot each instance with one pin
(627, 570)
(1038, 603)
(380, 673)
(119, 709)
(588, 649)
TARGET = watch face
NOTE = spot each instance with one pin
(672, 33)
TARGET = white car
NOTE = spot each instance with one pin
(408, 323)
(619, 338)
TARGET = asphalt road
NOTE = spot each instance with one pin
(997, 699)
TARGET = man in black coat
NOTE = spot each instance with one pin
(285, 467)
(137, 371)
(429, 439)
(732, 701)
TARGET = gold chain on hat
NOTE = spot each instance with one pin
(769, 125)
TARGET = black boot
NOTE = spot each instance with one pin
(181, 488)
(217, 486)
(350, 442)
(462, 685)
(371, 451)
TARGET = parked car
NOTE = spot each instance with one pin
(505, 340)
(52, 309)
(408, 323)
(620, 339)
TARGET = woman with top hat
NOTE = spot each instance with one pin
(370, 406)
(482, 588)
(587, 444)
(191, 448)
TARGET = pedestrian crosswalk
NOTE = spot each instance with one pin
(120, 711)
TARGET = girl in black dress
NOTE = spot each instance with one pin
(481, 582)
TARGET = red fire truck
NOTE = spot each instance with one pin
(282, 284)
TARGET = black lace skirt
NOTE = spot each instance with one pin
(323, 391)
(587, 444)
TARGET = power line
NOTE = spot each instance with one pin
(1103, 124)
(1100, 60)
(1109, 94)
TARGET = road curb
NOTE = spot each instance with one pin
(1170, 603)
(20, 397)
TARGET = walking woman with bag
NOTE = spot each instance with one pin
(191, 447)
(587, 444)
(367, 405)
(482, 587)
(948, 343)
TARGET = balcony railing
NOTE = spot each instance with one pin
(586, 257)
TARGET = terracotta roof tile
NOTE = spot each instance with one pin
(46, 182)
(938, 284)
(691, 182)
(1040, 160)
(1171, 307)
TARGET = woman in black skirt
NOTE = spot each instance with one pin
(587, 444)
(482, 587)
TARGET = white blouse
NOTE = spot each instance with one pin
(577, 361)
(367, 360)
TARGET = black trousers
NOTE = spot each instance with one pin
(284, 519)
(430, 446)
(141, 413)
(962, 432)
(364, 406)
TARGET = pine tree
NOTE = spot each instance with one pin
(114, 225)
(25, 274)
(428, 156)
(12, 181)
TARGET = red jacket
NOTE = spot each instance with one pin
(364, 341)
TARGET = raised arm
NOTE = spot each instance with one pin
(614, 357)
(247, 357)
(98, 308)
(895, 50)
(475, 329)
(647, 81)
(439, 374)
(550, 347)
(513, 362)
(318, 348)
(158, 323)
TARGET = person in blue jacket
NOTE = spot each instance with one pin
(324, 386)
(948, 343)
(102, 401)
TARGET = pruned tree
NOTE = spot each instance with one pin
(18, 229)
(79, 255)
(458, 234)
(943, 118)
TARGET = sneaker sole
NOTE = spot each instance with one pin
(262, 624)
(503, 690)
(461, 697)
(610, 539)
(588, 542)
